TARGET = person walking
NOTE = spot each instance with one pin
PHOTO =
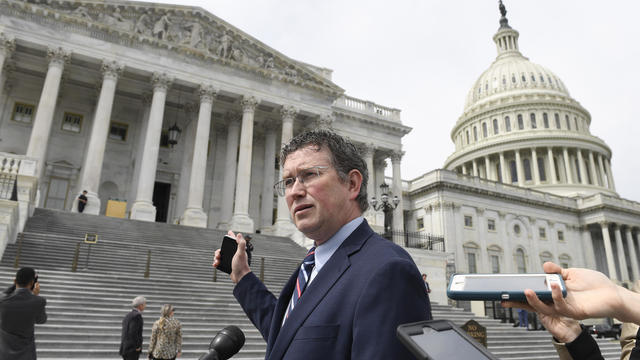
(166, 336)
(249, 248)
(428, 290)
(20, 309)
(132, 324)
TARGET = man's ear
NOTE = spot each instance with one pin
(354, 179)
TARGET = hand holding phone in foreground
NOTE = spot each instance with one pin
(589, 294)
(239, 263)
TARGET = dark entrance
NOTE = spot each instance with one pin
(161, 196)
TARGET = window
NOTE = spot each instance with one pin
(533, 78)
(543, 174)
(520, 122)
(534, 125)
(545, 120)
(560, 235)
(542, 232)
(513, 78)
(475, 134)
(118, 131)
(504, 80)
(499, 172)
(72, 122)
(575, 119)
(23, 113)
(420, 223)
(507, 123)
(491, 225)
(164, 138)
(565, 261)
(516, 229)
(545, 256)
(468, 221)
(527, 169)
(514, 171)
(471, 260)
(520, 261)
(467, 131)
(557, 117)
(566, 118)
(524, 78)
(541, 78)
(495, 126)
(484, 130)
(495, 264)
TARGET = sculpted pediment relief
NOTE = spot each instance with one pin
(190, 31)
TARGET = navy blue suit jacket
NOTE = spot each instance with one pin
(350, 310)
(19, 312)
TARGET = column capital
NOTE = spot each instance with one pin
(232, 118)
(325, 121)
(58, 56)
(396, 156)
(7, 44)
(603, 223)
(161, 81)
(206, 93)
(146, 98)
(249, 103)
(288, 112)
(111, 69)
(8, 68)
(367, 149)
(191, 108)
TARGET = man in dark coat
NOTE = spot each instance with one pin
(20, 309)
(131, 340)
(82, 201)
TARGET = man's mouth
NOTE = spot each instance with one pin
(301, 208)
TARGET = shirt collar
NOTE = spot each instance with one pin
(323, 252)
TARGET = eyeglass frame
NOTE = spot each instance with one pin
(280, 187)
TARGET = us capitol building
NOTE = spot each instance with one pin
(180, 115)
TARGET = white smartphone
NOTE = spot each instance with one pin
(496, 287)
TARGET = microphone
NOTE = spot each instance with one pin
(225, 344)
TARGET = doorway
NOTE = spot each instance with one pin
(57, 193)
(161, 197)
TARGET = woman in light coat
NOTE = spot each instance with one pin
(166, 336)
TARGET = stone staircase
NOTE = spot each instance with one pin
(86, 307)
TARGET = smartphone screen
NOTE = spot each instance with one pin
(447, 344)
(228, 249)
(506, 283)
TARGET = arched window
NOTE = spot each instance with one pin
(520, 122)
(520, 261)
(524, 78)
(575, 119)
(557, 117)
(507, 123)
(541, 78)
(475, 134)
(543, 174)
(513, 78)
(534, 125)
(514, 171)
(495, 253)
(495, 126)
(484, 130)
(545, 120)
(471, 251)
(527, 169)
(565, 261)
(566, 118)
(545, 256)
(467, 132)
(533, 78)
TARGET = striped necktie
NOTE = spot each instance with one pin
(304, 275)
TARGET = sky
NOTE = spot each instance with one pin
(423, 56)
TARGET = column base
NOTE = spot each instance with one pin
(283, 228)
(241, 223)
(143, 210)
(194, 217)
(92, 206)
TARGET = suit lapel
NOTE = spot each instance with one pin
(317, 289)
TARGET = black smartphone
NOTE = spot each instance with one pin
(228, 249)
(35, 280)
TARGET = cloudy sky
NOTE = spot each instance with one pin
(423, 56)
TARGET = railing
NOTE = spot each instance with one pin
(8, 186)
(368, 107)
(416, 240)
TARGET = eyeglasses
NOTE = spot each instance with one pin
(304, 176)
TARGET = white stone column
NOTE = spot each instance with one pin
(487, 168)
(583, 173)
(587, 247)
(567, 165)
(592, 170)
(367, 153)
(612, 185)
(266, 210)
(633, 255)
(7, 47)
(284, 226)
(519, 168)
(552, 166)
(503, 170)
(240, 221)
(464, 169)
(194, 214)
(398, 213)
(143, 208)
(142, 130)
(39, 139)
(603, 180)
(608, 251)
(624, 271)
(475, 167)
(536, 170)
(229, 183)
(92, 168)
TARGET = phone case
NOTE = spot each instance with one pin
(227, 250)
(498, 295)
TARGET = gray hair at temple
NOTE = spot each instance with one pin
(139, 300)
(344, 156)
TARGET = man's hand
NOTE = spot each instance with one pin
(564, 329)
(36, 288)
(239, 263)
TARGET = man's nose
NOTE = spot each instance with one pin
(298, 188)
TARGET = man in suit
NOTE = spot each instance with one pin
(20, 309)
(354, 288)
(131, 339)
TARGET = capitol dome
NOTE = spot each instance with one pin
(520, 126)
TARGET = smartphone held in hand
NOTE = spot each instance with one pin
(228, 249)
(497, 287)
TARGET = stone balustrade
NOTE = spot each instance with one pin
(368, 108)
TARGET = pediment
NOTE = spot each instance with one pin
(189, 31)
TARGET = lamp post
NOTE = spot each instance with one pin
(174, 132)
(386, 206)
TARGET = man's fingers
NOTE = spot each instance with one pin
(516, 304)
(242, 243)
(552, 268)
(537, 304)
(216, 258)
